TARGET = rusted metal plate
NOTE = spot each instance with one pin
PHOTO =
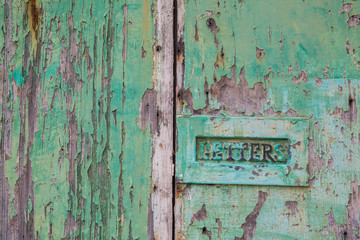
(243, 150)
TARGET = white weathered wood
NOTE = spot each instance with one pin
(162, 144)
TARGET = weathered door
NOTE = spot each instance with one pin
(86, 119)
(267, 127)
(268, 119)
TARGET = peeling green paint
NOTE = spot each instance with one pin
(275, 59)
(73, 159)
(76, 150)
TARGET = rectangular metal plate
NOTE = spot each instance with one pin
(242, 150)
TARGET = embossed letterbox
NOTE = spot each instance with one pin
(242, 150)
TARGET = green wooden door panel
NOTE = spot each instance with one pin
(75, 148)
(86, 116)
(273, 59)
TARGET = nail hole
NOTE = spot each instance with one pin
(210, 22)
(158, 48)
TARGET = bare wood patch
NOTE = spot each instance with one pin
(249, 226)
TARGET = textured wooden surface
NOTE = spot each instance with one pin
(87, 116)
(86, 109)
(274, 59)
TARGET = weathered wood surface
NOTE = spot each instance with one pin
(86, 118)
(274, 59)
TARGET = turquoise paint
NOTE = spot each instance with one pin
(292, 173)
(84, 181)
(307, 72)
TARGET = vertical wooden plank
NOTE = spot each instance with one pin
(6, 114)
(86, 119)
(162, 145)
(180, 65)
(274, 59)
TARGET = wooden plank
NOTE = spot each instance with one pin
(162, 141)
(86, 119)
(270, 59)
(180, 65)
